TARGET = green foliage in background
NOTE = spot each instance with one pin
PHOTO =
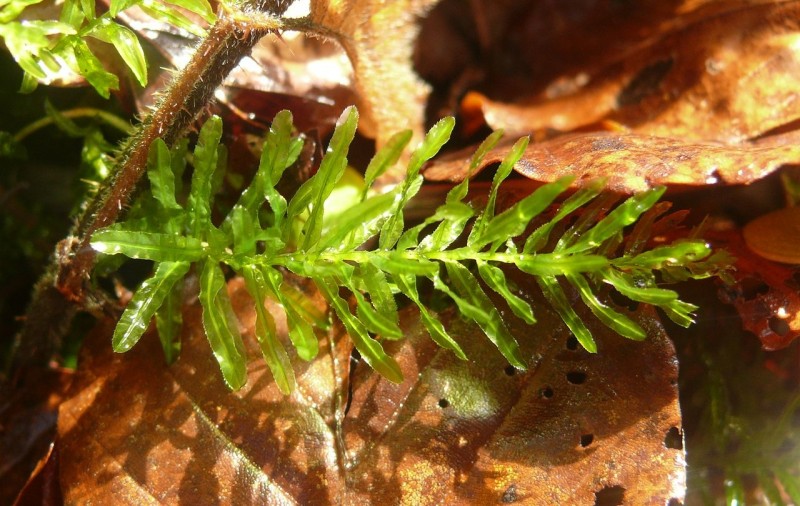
(264, 234)
(47, 48)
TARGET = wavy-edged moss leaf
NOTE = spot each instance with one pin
(13, 8)
(312, 194)
(156, 246)
(357, 224)
(243, 228)
(554, 265)
(272, 350)
(622, 216)
(663, 256)
(160, 247)
(555, 296)
(117, 6)
(301, 332)
(199, 7)
(388, 156)
(178, 157)
(479, 227)
(161, 175)
(370, 349)
(395, 263)
(454, 217)
(615, 320)
(170, 15)
(221, 326)
(539, 237)
(496, 280)
(436, 137)
(379, 314)
(27, 41)
(318, 269)
(677, 310)
(632, 288)
(206, 154)
(127, 45)
(407, 284)
(513, 221)
(330, 172)
(374, 320)
(280, 150)
(380, 293)
(144, 304)
(476, 305)
(85, 63)
(169, 320)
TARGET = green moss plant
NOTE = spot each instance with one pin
(265, 234)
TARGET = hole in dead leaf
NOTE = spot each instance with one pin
(674, 439)
(576, 377)
(645, 83)
(510, 370)
(510, 495)
(779, 326)
(609, 496)
(546, 392)
(443, 403)
(586, 439)
(572, 343)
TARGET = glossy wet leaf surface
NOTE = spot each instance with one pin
(454, 431)
(632, 162)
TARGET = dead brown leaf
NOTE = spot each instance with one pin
(724, 71)
(632, 162)
(379, 39)
(572, 430)
(765, 294)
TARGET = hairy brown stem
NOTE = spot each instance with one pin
(62, 289)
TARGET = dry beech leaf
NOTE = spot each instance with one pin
(633, 162)
(379, 38)
(572, 430)
(725, 71)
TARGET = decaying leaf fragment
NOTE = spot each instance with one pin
(572, 429)
(633, 162)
